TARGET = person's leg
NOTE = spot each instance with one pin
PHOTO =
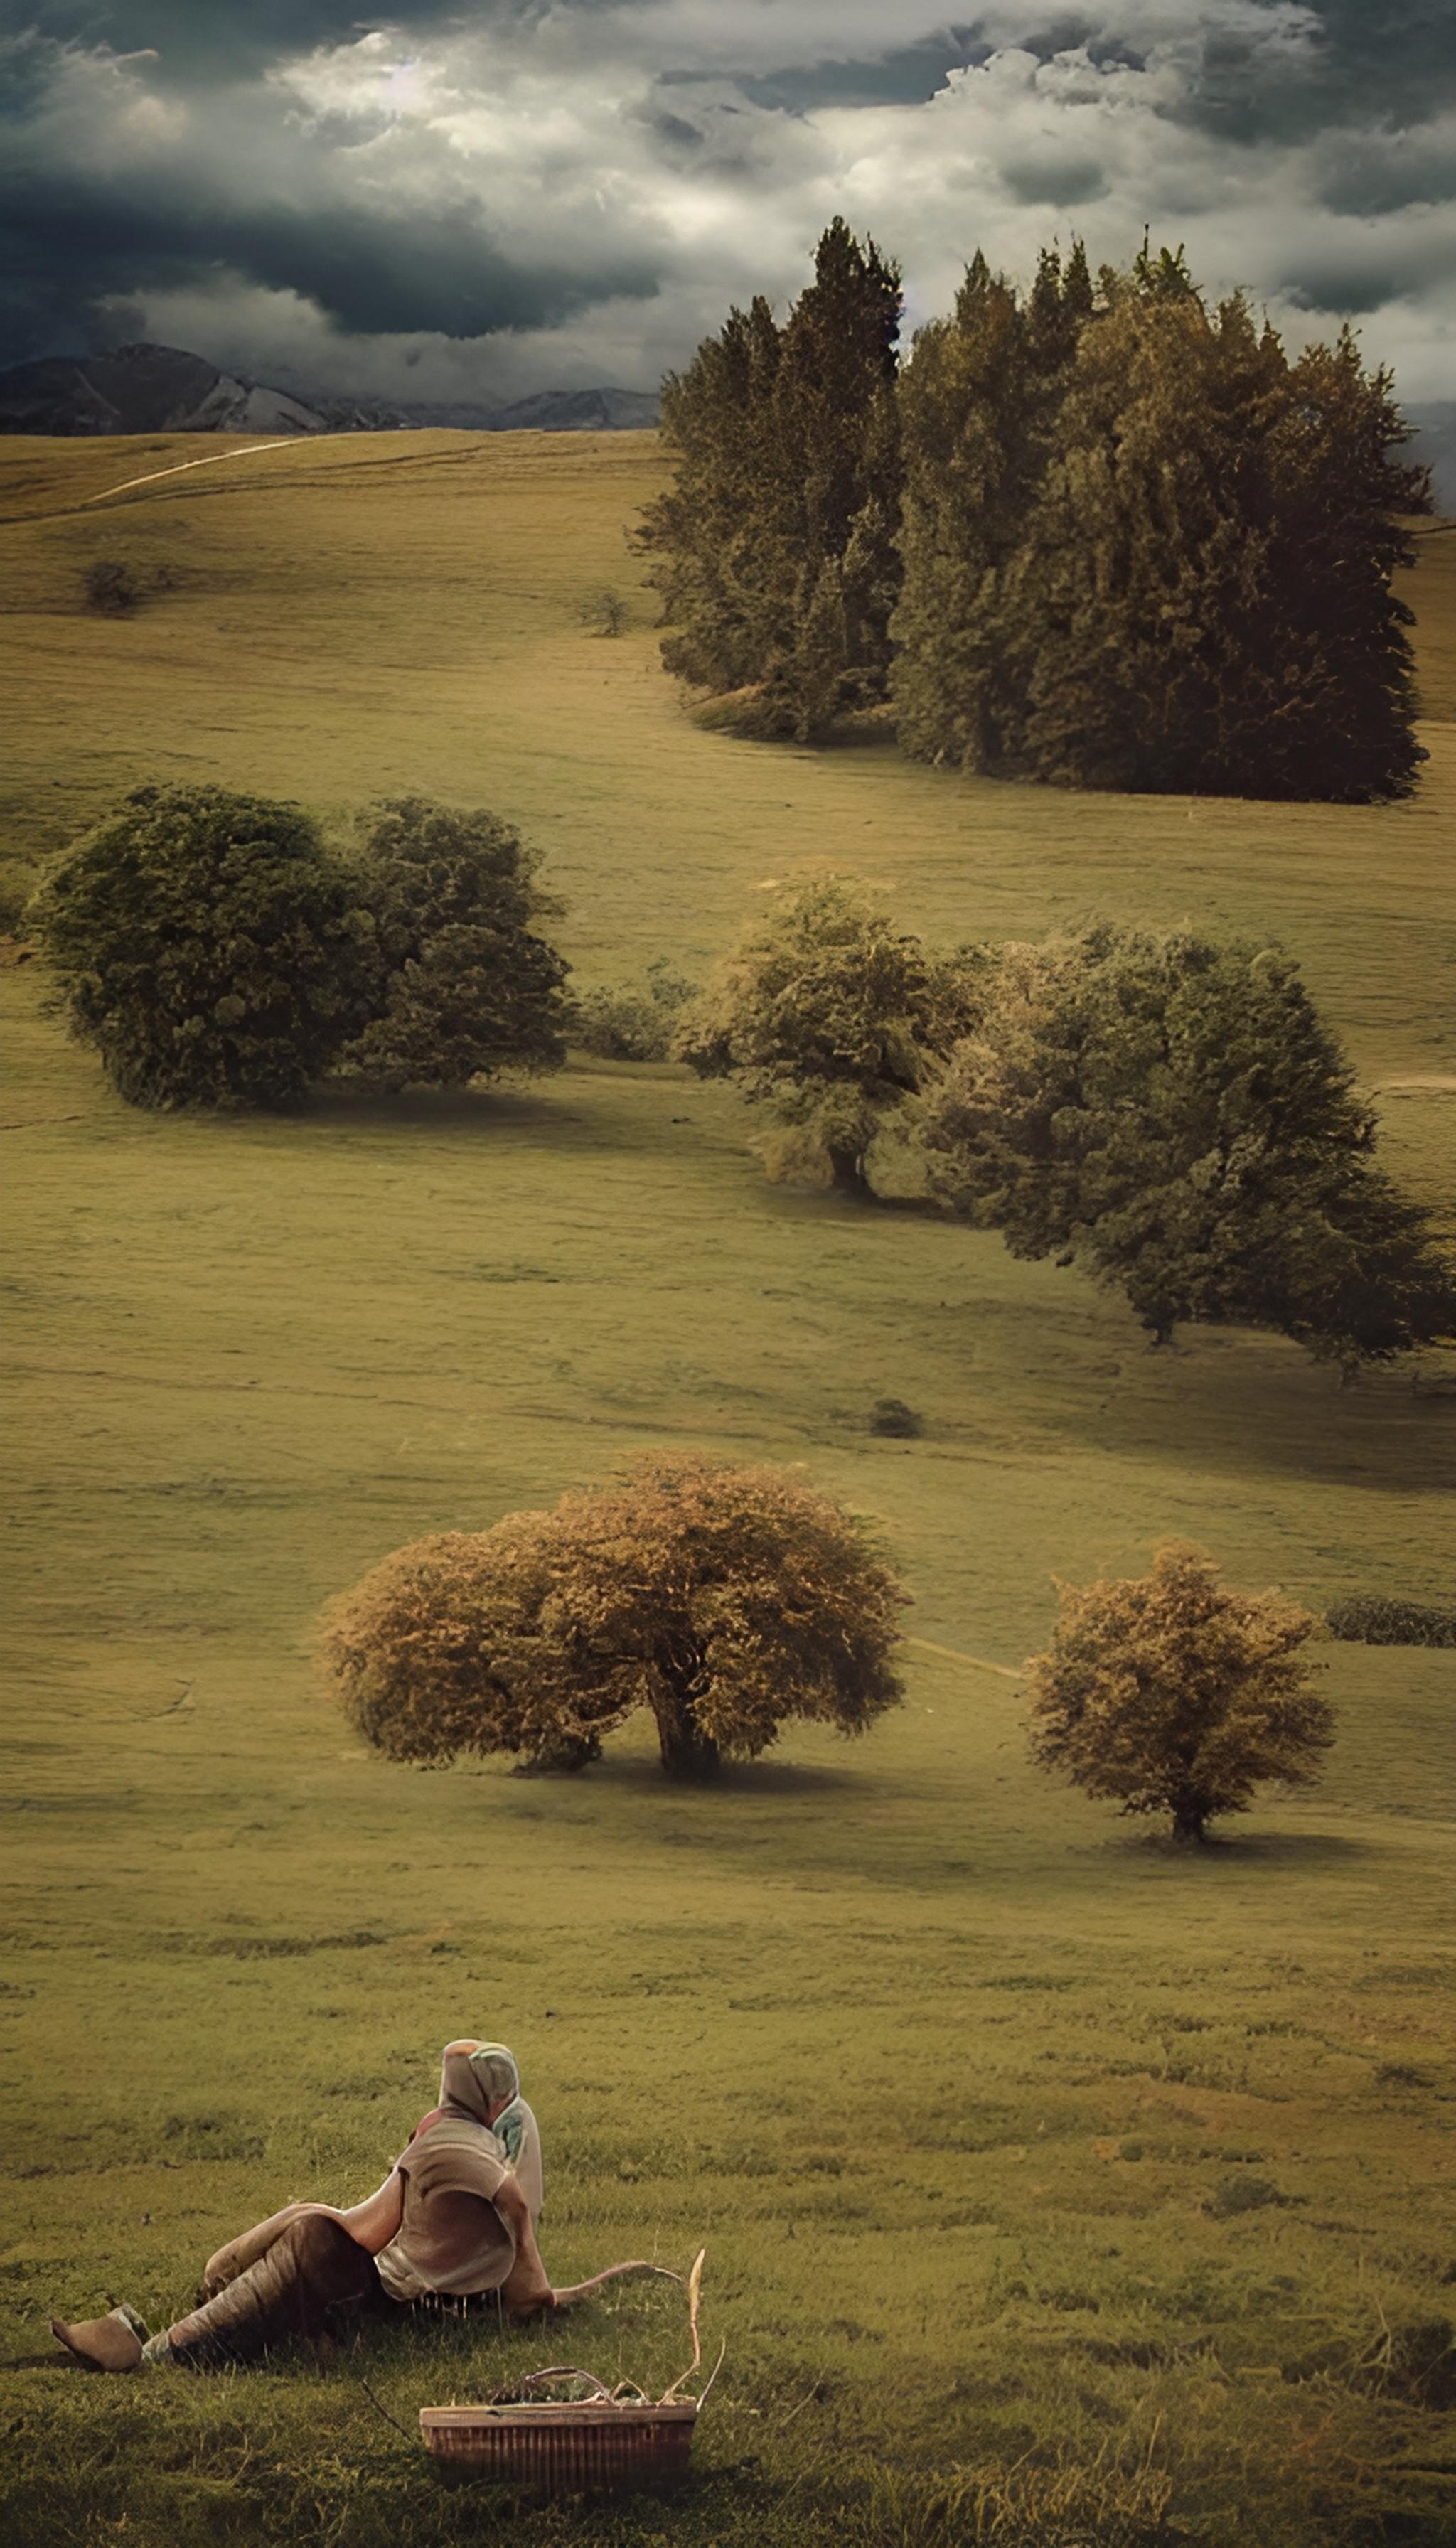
(312, 2269)
(306, 2274)
(245, 2251)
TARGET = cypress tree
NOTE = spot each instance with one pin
(774, 549)
(980, 409)
(1143, 550)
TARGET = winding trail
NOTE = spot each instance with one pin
(209, 460)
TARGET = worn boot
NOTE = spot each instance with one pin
(110, 2343)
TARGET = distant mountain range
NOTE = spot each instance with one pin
(158, 389)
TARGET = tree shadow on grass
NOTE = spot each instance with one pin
(435, 1110)
(1303, 1852)
(738, 1781)
(884, 1832)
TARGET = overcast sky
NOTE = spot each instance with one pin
(477, 201)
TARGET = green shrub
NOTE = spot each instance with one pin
(891, 1416)
(207, 946)
(110, 586)
(467, 986)
(632, 1021)
(1378, 1619)
(603, 612)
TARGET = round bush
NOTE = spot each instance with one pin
(207, 947)
(1378, 1619)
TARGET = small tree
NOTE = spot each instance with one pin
(723, 1601)
(207, 946)
(603, 612)
(466, 988)
(633, 1020)
(829, 1017)
(1175, 1695)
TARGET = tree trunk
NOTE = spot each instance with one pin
(1190, 1823)
(687, 1753)
(847, 1174)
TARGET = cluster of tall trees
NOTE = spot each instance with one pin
(1095, 533)
(1166, 1110)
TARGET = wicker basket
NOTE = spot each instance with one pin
(564, 2449)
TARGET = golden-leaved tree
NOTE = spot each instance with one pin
(1175, 1695)
(724, 1600)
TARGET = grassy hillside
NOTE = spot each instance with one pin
(1015, 2138)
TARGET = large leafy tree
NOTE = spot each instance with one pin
(774, 548)
(723, 1601)
(1172, 1113)
(830, 1018)
(207, 946)
(467, 986)
(1172, 1693)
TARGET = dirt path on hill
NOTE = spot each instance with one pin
(209, 460)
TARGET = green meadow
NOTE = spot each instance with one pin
(1058, 2187)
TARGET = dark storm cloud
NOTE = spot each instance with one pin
(368, 273)
(904, 75)
(257, 196)
(1059, 182)
(330, 196)
(1371, 63)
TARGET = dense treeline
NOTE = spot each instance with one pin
(1096, 533)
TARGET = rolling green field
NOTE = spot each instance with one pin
(1038, 2164)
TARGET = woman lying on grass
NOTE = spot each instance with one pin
(456, 2215)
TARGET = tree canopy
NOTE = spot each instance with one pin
(1171, 1112)
(773, 549)
(465, 986)
(1172, 1693)
(723, 1601)
(829, 1017)
(214, 950)
(208, 947)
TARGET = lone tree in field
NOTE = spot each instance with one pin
(1174, 1694)
(723, 1601)
(829, 1017)
(1172, 1113)
(465, 986)
(207, 946)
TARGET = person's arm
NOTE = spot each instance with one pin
(373, 2222)
(527, 2285)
